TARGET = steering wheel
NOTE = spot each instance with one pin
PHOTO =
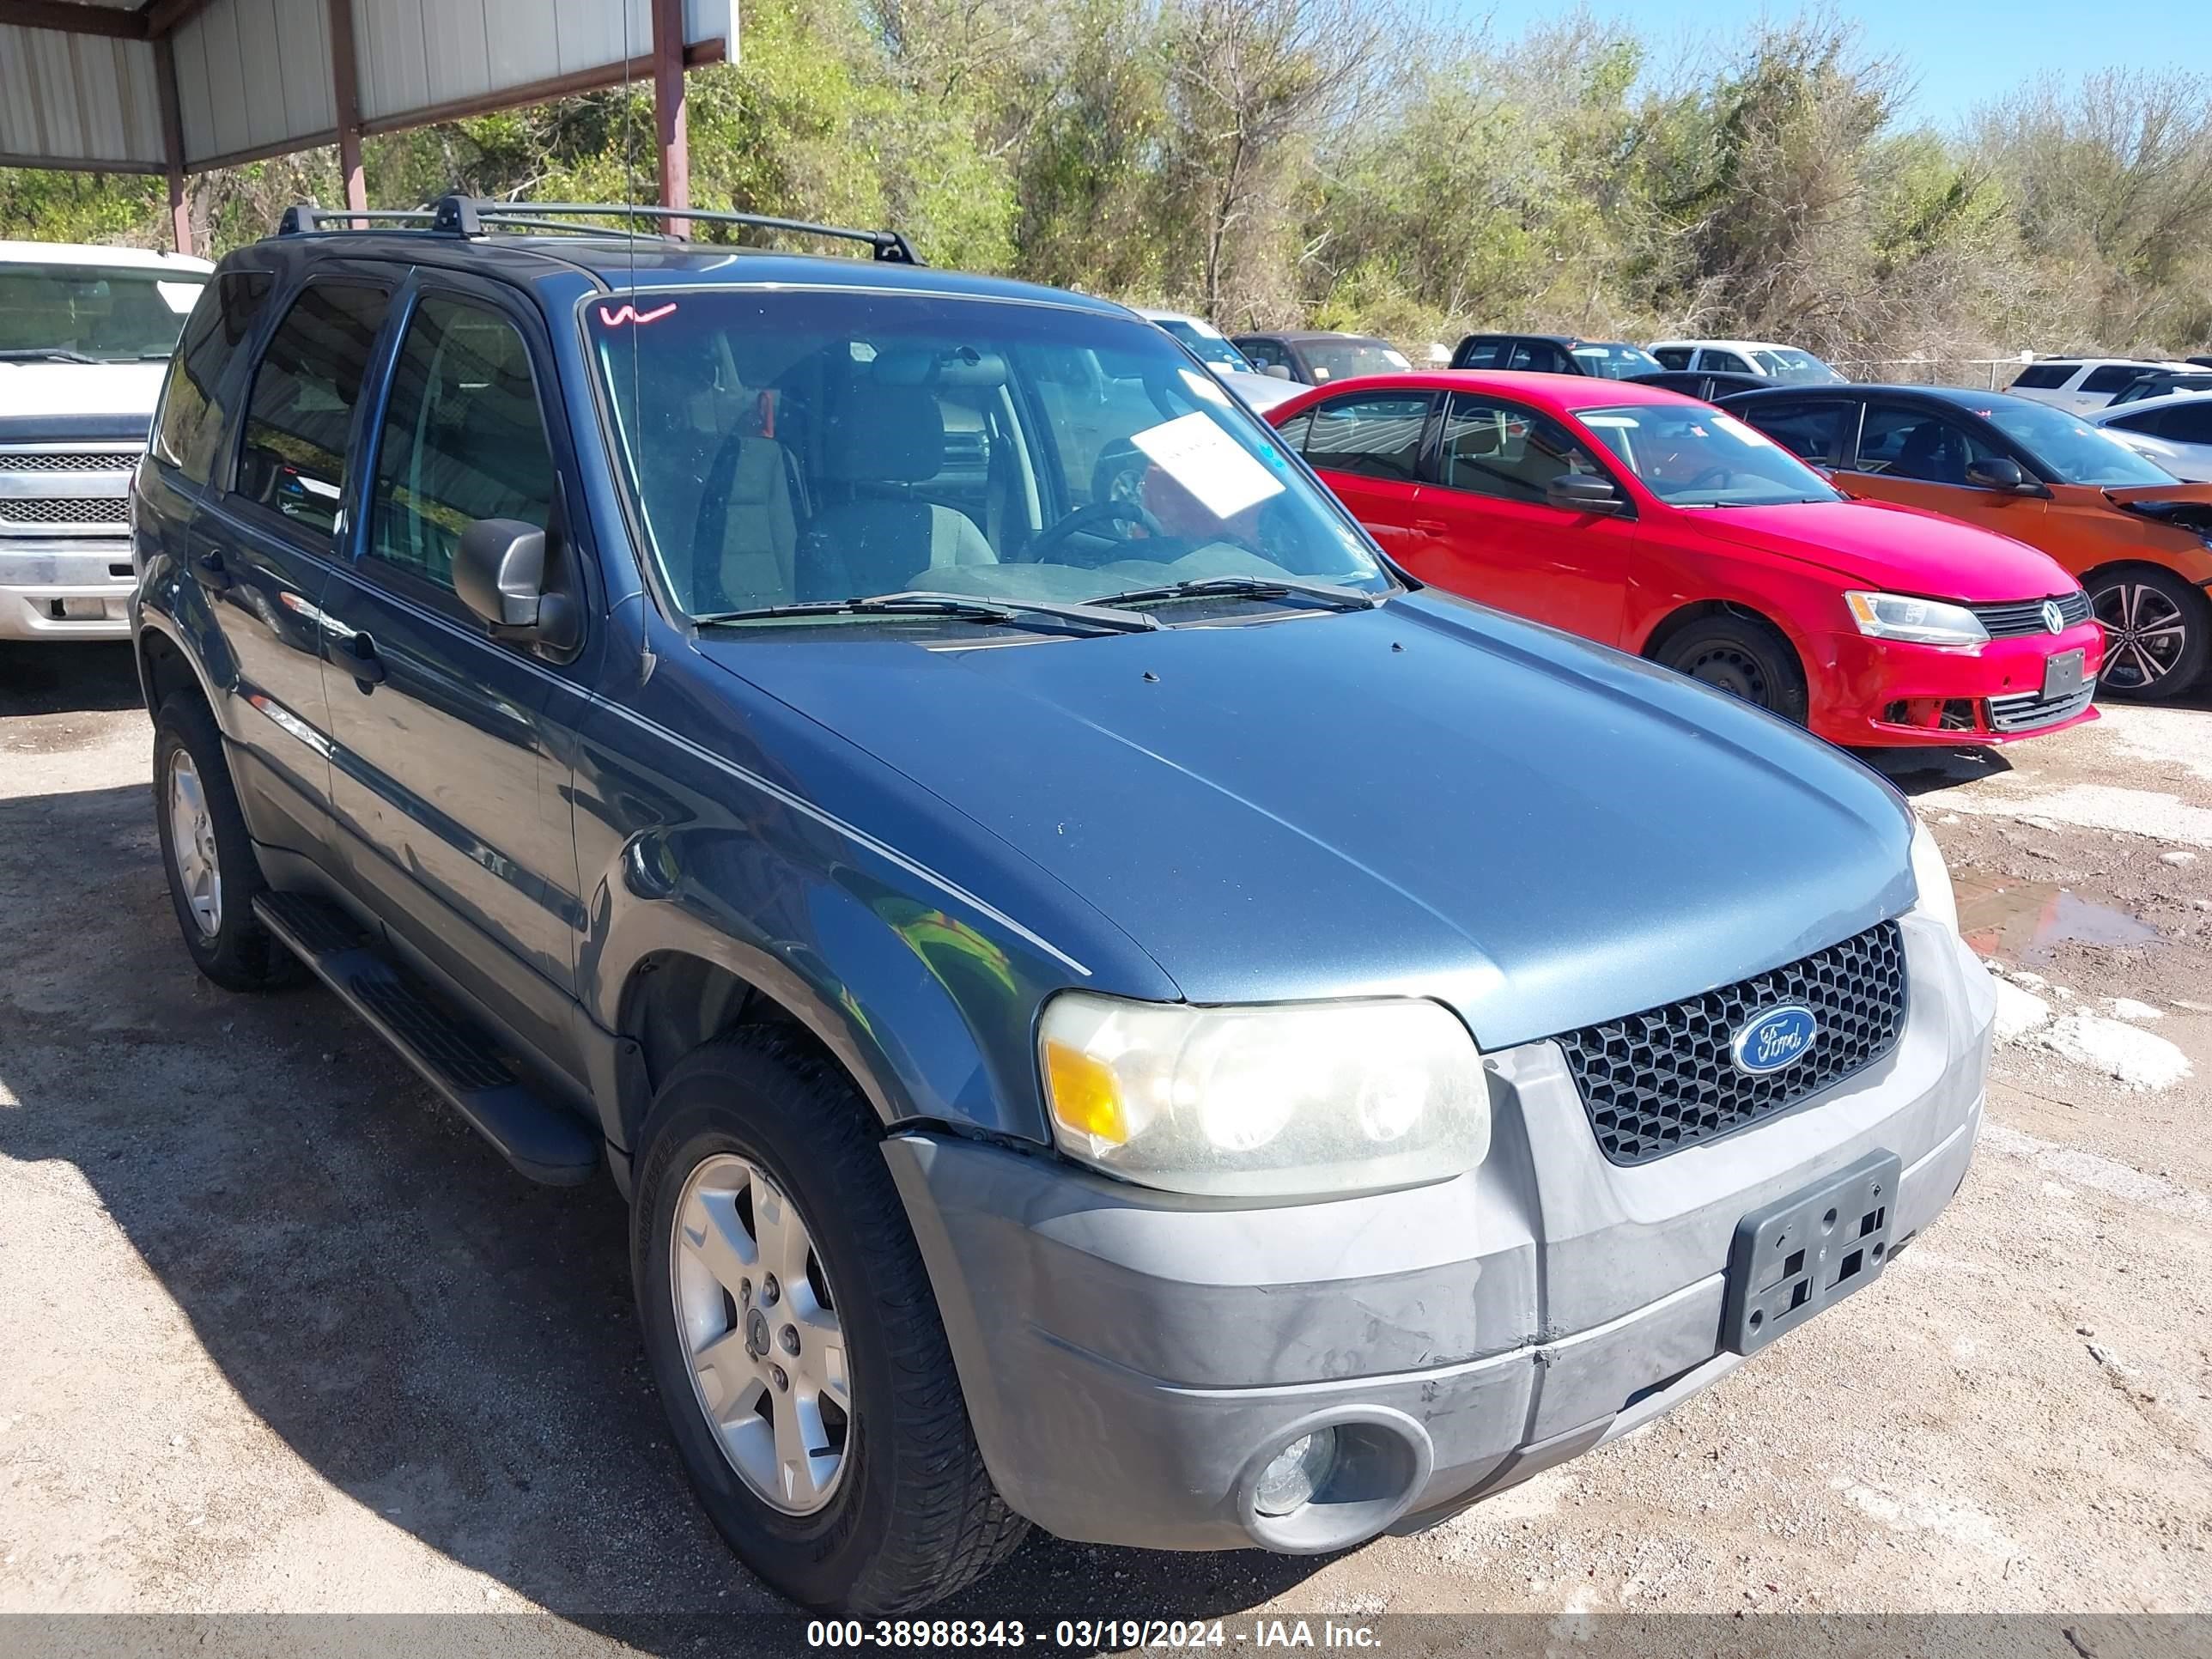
(1717, 475)
(1110, 510)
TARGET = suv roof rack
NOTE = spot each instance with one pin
(470, 215)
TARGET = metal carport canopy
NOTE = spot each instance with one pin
(177, 87)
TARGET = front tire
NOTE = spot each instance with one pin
(795, 1339)
(2158, 629)
(213, 873)
(1743, 657)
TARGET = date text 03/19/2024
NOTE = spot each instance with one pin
(1090, 1635)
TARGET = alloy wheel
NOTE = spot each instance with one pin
(2145, 634)
(191, 844)
(762, 1336)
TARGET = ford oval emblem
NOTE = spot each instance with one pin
(1776, 1037)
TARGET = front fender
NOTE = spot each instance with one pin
(930, 1017)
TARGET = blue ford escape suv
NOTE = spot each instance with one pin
(1114, 1008)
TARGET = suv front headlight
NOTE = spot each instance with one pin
(1285, 1101)
(1915, 621)
(1933, 878)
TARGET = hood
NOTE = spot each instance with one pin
(31, 391)
(2189, 506)
(1429, 797)
(1902, 550)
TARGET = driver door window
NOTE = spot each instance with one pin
(1500, 449)
(1724, 361)
(1902, 442)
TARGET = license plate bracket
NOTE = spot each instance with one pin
(1808, 1250)
(2065, 674)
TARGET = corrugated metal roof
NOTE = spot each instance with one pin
(253, 77)
(77, 101)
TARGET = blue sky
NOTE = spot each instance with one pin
(1961, 53)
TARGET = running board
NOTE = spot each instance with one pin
(549, 1145)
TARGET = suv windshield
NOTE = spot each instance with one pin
(1698, 457)
(795, 446)
(93, 313)
(1616, 362)
(1207, 344)
(2068, 450)
(1343, 359)
(1800, 368)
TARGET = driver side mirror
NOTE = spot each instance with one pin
(2003, 474)
(500, 573)
(1276, 371)
(1584, 492)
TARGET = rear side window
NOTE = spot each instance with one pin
(1724, 362)
(1504, 450)
(2044, 377)
(2113, 376)
(299, 417)
(463, 439)
(1378, 435)
(1674, 356)
(2187, 423)
(189, 428)
(1264, 354)
(1482, 354)
(1812, 432)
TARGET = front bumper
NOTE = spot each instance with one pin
(76, 588)
(1880, 693)
(1131, 1359)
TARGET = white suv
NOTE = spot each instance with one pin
(1784, 365)
(86, 334)
(2080, 386)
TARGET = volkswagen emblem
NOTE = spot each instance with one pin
(2053, 618)
(1776, 1037)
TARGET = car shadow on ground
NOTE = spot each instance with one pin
(1925, 771)
(56, 679)
(442, 1342)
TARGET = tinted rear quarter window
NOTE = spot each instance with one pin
(2112, 377)
(1814, 432)
(1674, 356)
(2188, 423)
(2044, 377)
(188, 427)
(1726, 362)
(1482, 354)
(299, 417)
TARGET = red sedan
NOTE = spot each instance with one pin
(1659, 525)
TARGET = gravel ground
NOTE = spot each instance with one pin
(281, 1336)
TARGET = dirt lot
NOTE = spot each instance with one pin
(280, 1335)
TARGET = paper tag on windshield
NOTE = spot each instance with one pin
(1209, 463)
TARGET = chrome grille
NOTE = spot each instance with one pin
(1663, 1079)
(68, 460)
(64, 509)
(2018, 616)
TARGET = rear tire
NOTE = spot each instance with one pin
(1742, 656)
(213, 872)
(757, 1137)
(2158, 630)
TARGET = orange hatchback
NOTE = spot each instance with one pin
(2138, 538)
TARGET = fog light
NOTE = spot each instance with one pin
(1297, 1472)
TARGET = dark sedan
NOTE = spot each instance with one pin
(1317, 357)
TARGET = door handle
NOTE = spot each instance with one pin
(208, 567)
(364, 664)
(1431, 527)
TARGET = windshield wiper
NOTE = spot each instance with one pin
(1248, 587)
(959, 607)
(44, 354)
